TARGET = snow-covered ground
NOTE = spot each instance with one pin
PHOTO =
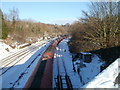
(106, 79)
(17, 74)
(88, 75)
(88, 70)
(4, 49)
(64, 59)
(62, 66)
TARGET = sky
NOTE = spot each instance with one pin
(48, 12)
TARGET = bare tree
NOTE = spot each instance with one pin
(14, 15)
(104, 17)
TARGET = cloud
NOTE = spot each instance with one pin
(63, 21)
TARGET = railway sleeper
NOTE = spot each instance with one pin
(69, 85)
(62, 82)
(60, 86)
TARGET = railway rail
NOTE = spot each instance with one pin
(41, 76)
(36, 58)
(10, 61)
(25, 70)
(62, 79)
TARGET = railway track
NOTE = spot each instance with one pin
(16, 54)
(10, 61)
(62, 79)
(68, 82)
(24, 72)
(41, 62)
(13, 59)
(26, 68)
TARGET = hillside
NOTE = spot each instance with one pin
(31, 32)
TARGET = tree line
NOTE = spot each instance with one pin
(16, 30)
(100, 27)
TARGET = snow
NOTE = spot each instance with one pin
(85, 53)
(106, 78)
(62, 65)
(17, 75)
(90, 70)
(4, 53)
(89, 75)
(4, 49)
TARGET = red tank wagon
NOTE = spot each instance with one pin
(42, 74)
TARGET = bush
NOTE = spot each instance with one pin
(109, 55)
(4, 30)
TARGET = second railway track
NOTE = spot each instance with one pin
(11, 61)
(61, 78)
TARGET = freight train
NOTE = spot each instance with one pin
(42, 74)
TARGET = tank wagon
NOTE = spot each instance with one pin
(42, 74)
